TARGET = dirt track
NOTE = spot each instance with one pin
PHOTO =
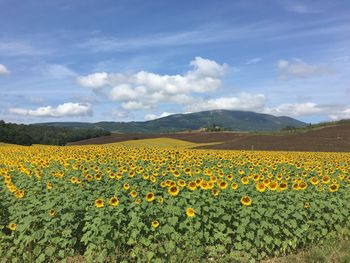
(332, 139)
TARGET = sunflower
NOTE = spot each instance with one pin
(19, 194)
(155, 224)
(133, 194)
(49, 186)
(203, 185)
(306, 205)
(260, 187)
(138, 201)
(234, 186)
(114, 201)
(333, 187)
(160, 199)
(52, 212)
(181, 183)
(222, 185)
(190, 212)
(326, 179)
(273, 185)
(215, 192)
(246, 200)
(150, 197)
(314, 180)
(99, 203)
(245, 180)
(266, 182)
(98, 177)
(126, 186)
(173, 190)
(229, 177)
(295, 186)
(302, 185)
(12, 226)
(283, 186)
(192, 186)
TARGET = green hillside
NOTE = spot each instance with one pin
(224, 119)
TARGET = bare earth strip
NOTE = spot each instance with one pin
(327, 139)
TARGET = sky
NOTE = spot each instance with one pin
(136, 60)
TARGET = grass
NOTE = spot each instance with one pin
(333, 250)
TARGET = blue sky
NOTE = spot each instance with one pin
(88, 60)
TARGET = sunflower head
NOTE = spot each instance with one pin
(260, 187)
(333, 187)
(150, 197)
(234, 186)
(99, 203)
(173, 190)
(52, 212)
(133, 194)
(114, 201)
(155, 224)
(190, 212)
(12, 226)
(49, 186)
(192, 185)
(246, 200)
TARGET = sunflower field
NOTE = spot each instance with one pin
(147, 204)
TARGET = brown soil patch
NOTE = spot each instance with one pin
(328, 139)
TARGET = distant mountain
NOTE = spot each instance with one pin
(222, 119)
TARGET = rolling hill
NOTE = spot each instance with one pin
(243, 121)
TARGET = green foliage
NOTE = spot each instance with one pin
(37, 134)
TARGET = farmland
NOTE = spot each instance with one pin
(329, 138)
(166, 203)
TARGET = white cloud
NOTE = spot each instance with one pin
(295, 109)
(299, 69)
(149, 117)
(300, 8)
(253, 61)
(341, 114)
(244, 101)
(68, 109)
(18, 48)
(3, 70)
(146, 89)
(94, 81)
(59, 71)
(134, 105)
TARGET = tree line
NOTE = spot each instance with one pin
(40, 134)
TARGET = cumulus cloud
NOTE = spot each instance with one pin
(299, 69)
(295, 109)
(68, 109)
(341, 114)
(149, 117)
(244, 101)
(3, 70)
(94, 81)
(144, 89)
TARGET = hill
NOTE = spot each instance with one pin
(219, 119)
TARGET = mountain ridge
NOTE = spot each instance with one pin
(243, 121)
